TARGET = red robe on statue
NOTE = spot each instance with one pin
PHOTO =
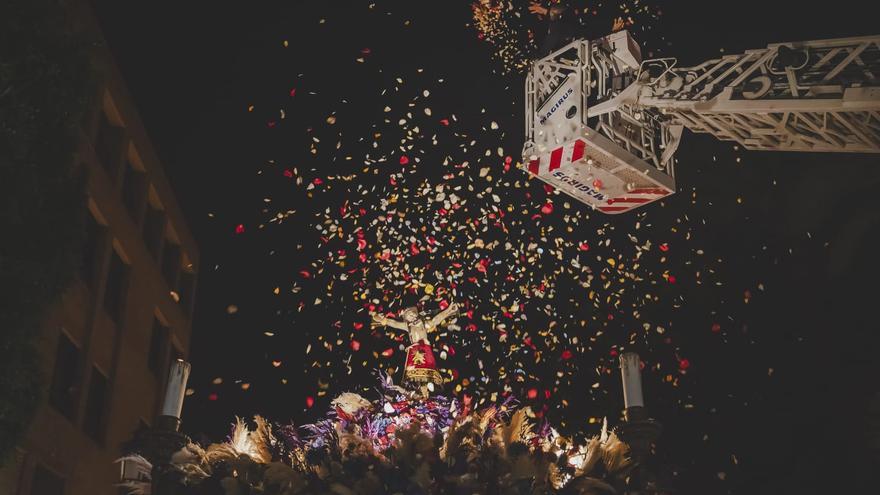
(421, 367)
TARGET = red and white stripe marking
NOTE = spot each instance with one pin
(575, 152)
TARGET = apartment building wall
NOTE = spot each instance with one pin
(107, 344)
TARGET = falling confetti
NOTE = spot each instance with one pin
(427, 205)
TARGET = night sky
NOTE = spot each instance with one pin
(751, 303)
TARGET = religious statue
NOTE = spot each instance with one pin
(421, 367)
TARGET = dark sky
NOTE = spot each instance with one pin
(810, 238)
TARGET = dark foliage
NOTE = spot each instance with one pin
(45, 89)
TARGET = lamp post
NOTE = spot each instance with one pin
(638, 430)
(159, 443)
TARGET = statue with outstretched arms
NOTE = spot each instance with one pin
(421, 367)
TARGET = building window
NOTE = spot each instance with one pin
(46, 482)
(117, 288)
(171, 264)
(154, 230)
(94, 235)
(62, 393)
(96, 406)
(187, 290)
(157, 347)
(108, 145)
(134, 188)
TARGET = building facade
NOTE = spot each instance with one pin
(107, 344)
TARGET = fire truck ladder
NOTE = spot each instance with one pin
(801, 96)
(603, 125)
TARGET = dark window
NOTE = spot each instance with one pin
(108, 145)
(134, 188)
(154, 230)
(96, 406)
(46, 482)
(187, 290)
(157, 347)
(171, 264)
(117, 288)
(62, 394)
(94, 236)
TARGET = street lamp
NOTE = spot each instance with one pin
(638, 430)
(159, 443)
(175, 391)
